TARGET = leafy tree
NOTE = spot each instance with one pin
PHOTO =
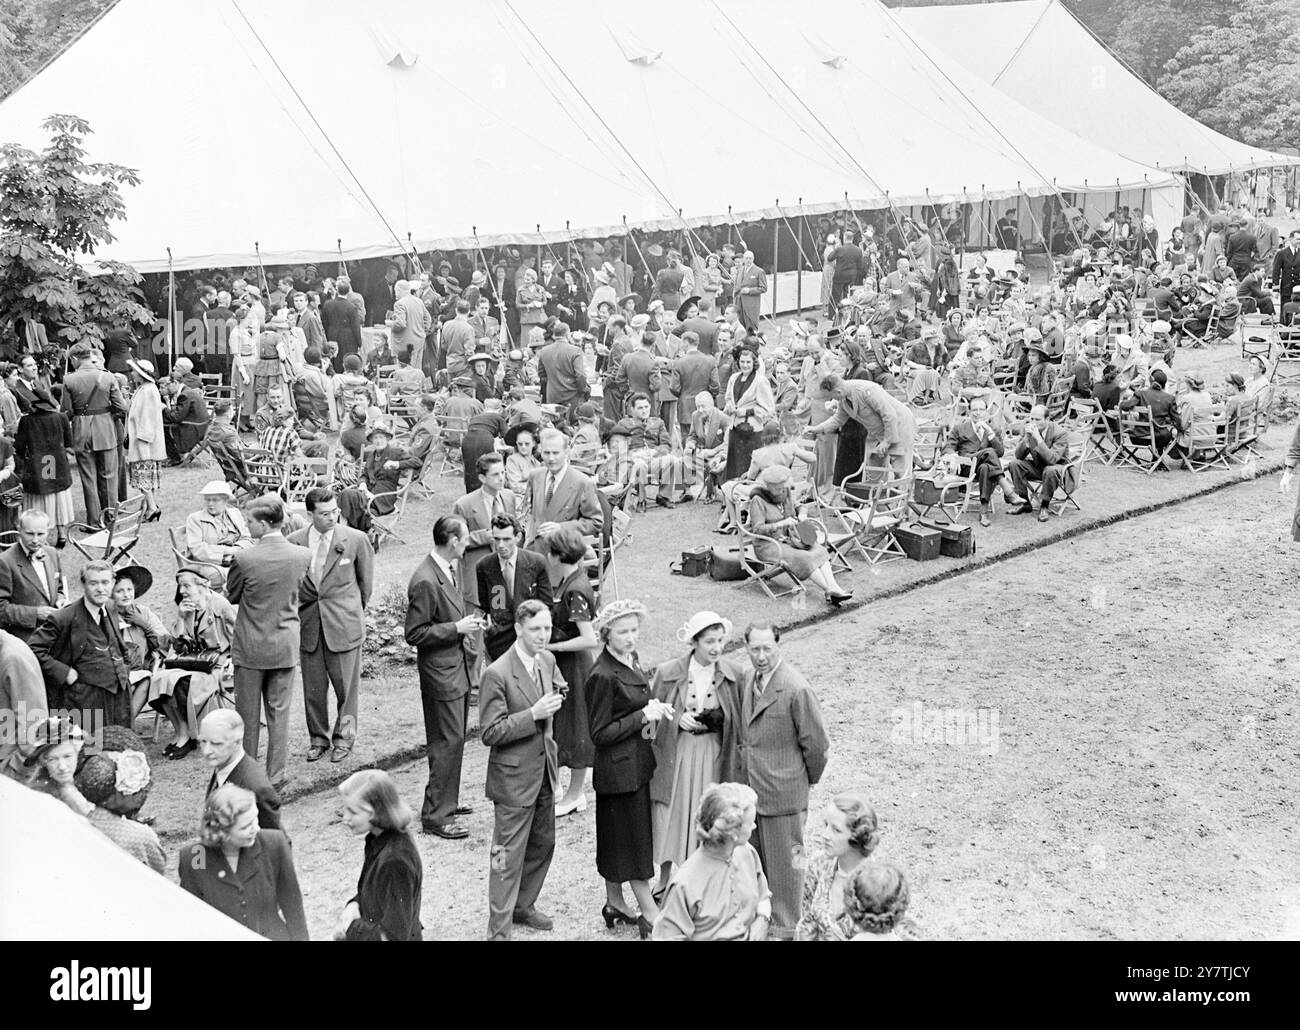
(54, 209)
(1243, 78)
(33, 31)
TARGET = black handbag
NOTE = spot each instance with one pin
(188, 658)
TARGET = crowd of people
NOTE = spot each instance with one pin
(565, 392)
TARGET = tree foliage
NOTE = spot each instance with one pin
(33, 31)
(56, 208)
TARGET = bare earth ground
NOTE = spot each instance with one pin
(1087, 799)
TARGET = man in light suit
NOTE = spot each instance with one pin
(559, 495)
(751, 284)
(221, 735)
(888, 422)
(411, 321)
(94, 402)
(507, 579)
(521, 692)
(477, 509)
(439, 628)
(779, 748)
(332, 610)
(265, 581)
(32, 586)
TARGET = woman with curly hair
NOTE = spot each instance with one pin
(875, 901)
(386, 906)
(57, 757)
(116, 782)
(849, 834)
(242, 870)
(720, 892)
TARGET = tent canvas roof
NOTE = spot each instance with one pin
(300, 123)
(1038, 53)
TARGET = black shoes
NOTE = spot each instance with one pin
(447, 831)
(613, 915)
(533, 919)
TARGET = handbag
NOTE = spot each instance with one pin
(188, 657)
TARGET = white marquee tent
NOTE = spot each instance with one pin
(1038, 53)
(62, 880)
(302, 123)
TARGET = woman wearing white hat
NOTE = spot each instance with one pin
(701, 688)
(145, 447)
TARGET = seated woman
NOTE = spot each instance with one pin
(54, 762)
(847, 836)
(719, 892)
(875, 903)
(770, 452)
(520, 465)
(1041, 377)
(925, 360)
(116, 782)
(586, 452)
(232, 849)
(772, 515)
(386, 906)
(197, 675)
(351, 385)
(143, 636)
(384, 463)
(1259, 383)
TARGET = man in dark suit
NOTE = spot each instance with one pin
(1286, 266)
(693, 372)
(561, 372)
(264, 580)
(381, 294)
(558, 494)
(332, 612)
(81, 651)
(438, 627)
(849, 271)
(1042, 455)
(973, 441)
(32, 586)
(93, 402)
(779, 748)
(507, 579)
(692, 321)
(221, 744)
(639, 371)
(341, 319)
(521, 692)
(1163, 406)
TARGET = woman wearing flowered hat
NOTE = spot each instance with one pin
(116, 782)
(624, 716)
(59, 742)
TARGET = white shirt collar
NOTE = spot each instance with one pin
(558, 475)
(530, 661)
(314, 537)
(223, 773)
(442, 563)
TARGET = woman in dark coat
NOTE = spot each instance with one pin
(242, 870)
(386, 906)
(478, 439)
(41, 448)
(574, 644)
(624, 714)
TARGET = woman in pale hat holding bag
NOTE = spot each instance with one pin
(772, 515)
(146, 449)
(701, 689)
(624, 716)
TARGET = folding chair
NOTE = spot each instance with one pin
(452, 429)
(615, 532)
(1084, 415)
(184, 560)
(928, 438)
(231, 463)
(1071, 479)
(1138, 435)
(1258, 334)
(1207, 441)
(1286, 366)
(762, 571)
(873, 505)
(1243, 430)
(1058, 401)
(301, 476)
(114, 543)
(264, 473)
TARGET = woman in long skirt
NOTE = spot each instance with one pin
(748, 400)
(41, 448)
(479, 438)
(146, 449)
(624, 717)
(574, 644)
(688, 747)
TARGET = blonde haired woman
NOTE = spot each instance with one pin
(720, 893)
(242, 870)
(386, 906)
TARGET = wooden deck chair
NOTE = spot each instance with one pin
(452, 429)
(760, 570)
(1058, 401)
(302, 475)
(266, 475)
(1259, 333)
(183, 559)
(1077, 441)
(1207, 441)
(615, 533)
(231, 463)
(1243, 432)
(1084, 415)
(1138, 441)
(114, 543)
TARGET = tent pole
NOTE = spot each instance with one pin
(776, 251)
(343, 265)
(625, 235)
(171, 313)
(798, 283)
(539, 250)
(730, 225)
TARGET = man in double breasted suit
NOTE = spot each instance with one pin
(520, 693)
(438, 625)
(264, 580)
(1286, 266)
(32, 586)
(93, 402)
(751, 284)
(81, 650)
(559, 494)
(779, 748)
(332, 612)
(888, 422)
(506, 579)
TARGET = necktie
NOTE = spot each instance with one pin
(497, 507)
(455, 580)
(37, 556)
(508, 574)
(550, 487)
(318, 561)
(212, 783)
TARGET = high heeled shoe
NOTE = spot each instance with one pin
(155, 516)
(613, 915)
(644, 927)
